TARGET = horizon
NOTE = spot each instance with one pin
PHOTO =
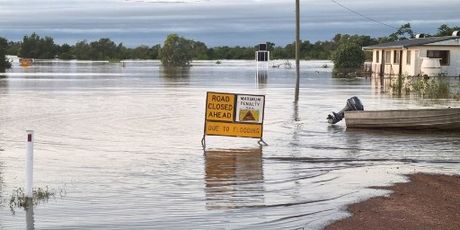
(230, 23)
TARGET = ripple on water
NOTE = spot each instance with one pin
(126, 143)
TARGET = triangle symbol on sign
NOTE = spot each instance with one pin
(249, 117)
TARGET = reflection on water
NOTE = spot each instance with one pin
(175, 74)
(296, 114)
(261, 78)
(380, 84)
(1, 181)
(3, 83)
(30, 221)
(126, 141)
(234, 178)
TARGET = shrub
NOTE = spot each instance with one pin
(176, 51)
(4, 64)
(348, 56)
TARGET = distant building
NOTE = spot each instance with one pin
(419, 56)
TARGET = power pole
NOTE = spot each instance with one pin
(297, 49)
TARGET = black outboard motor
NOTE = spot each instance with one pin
(353, 104)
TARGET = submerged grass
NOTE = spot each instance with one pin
(439, 87)
(18, 198)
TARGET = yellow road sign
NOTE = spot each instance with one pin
(234, 115)
(220, 106)
(233, 129)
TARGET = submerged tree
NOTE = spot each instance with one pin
(4, 64)
(176, 51)
(348, 55)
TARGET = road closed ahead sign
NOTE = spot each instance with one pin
(220, 107)
(234, 115)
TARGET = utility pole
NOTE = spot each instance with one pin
(297, 49)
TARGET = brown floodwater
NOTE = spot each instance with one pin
(121, 144)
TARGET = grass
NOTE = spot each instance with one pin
(18, 198)
(439, 87)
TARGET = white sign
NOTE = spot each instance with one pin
(250, 108)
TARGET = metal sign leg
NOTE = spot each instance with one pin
(261, 142)
(203, 142)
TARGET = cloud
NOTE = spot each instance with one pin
(216, 22)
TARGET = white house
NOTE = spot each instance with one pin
(419, 56)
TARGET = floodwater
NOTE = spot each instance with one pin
(120, 145)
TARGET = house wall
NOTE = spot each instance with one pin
(390, 66)
(411, 68)
(453, 69)
(417, 53)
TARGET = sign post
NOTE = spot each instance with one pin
(297, 50)
(234, 115)
(29, 164)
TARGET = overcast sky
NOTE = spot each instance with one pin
(217, 22)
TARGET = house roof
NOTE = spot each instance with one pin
(409, 43)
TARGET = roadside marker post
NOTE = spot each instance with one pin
(29, 164)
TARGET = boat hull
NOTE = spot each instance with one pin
(444, 119)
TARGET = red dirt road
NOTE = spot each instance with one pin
(426, 202)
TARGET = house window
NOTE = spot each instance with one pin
(408, 57)
(443, 54)
(396, 56)
(388, 57)
(377, 56)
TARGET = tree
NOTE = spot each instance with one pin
(140, 52)
(13, 48)
(445, 30)
(403, 33)
(34, 46)
(200, 50)
(65, 52)
(4, 64)
(104, 49)
(155, 52)
(82, 50)
(348, 56)
(176, 51)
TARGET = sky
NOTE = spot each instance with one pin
(217, 22)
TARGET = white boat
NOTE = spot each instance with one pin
(445, 119)
(356, 117)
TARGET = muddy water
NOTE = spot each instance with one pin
(123, 143)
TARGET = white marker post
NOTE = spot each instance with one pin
(30, 164)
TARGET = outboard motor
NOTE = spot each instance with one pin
(353, 104)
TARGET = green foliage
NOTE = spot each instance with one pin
(18, 198)
(435, 87)
(34, 46)
(13, 48)
(82, 51)
(199, 50)
(65, 52)
(176, 51)
(425, 87)
(226, 52)
(445, 30)
(104, 49)
(348, 56)
(403, 33)
(141, 52)
(4, 64)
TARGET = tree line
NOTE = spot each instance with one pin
(36, 46)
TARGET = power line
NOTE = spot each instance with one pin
(362, 15)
